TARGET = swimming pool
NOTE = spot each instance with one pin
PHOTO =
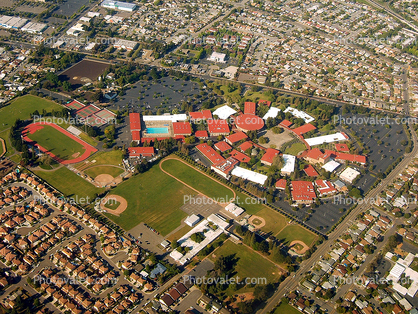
(157, 130)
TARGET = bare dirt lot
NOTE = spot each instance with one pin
(84, 71)
(277, 139)
(6, 3)
(36, 9)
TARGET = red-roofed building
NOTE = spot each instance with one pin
(182, 128)
(249, 107)
(342, 157)
(218, 127)
(236, 137)
(325, 187)
(240, 156)
(225, 167)
(141, 152)
(304, 129)
(202, 135)
(200, 115)
(264, 102)
(303, 192)
(222, 146)
(246, 145)
(249, 122)
(268, 157)
(135, 121)
(315, 156)
(136, 136)
(211, 154)
(281, 184)
(342, 148)
(286, 123)
(310, 171)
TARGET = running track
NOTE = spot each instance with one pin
(32, 128)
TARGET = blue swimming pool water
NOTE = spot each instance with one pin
(157, 130)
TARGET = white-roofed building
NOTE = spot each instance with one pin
(331, 165)
(125, 44)
(249, 175)
(192, 220)
(217, 57)
(349, 174)
(272, 113)
(234, 209)
(224, 112)
(118, 5)
(289, 164)
(340, 136)
(300, 114)
(171, 117)
(34, 28)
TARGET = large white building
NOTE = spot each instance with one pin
(349, 174)
(119, 5)
(217, 57)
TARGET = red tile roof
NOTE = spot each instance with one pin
(304, 129)
(222, 146)
(182, 128)
(240, 156)
(269, 155)
(227, 165)
(140, 151)
(135, 121)
(213, 156)
(281, 184)
(236, 137)
(286, 123)
(246, 145)
(303, 191)
(136, 135)
(249, 107)
(264, 102)
(342, 148)
(344, 156)
(316, 153)
(199, 134)
(218, 126)
(310, 171)
(324, 187)
(200, 115)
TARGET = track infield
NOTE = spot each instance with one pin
(58, 143)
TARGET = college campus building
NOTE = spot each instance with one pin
(118, 5)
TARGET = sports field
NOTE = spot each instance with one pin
(296, 232)
(22, 108)
(197, 180)
(249, 264)
(69, 183)
(95, 171)
(113, 157)
(153, 198)
(295, 149)
(274, 221)
(112, 204)
(284, 308)
(57, 143)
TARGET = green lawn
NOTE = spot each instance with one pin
(88, 139)
(113, 157)
(275, 222)
(56, 142)
(296, 232)
(198, 180)
(22, 108)
(179, 233)
(112, 204)
(295, 149)
(95, 171)
(153, 198)
(69, 183)
(9, 148)
(249, 264)
(284, 308)
(1, 147)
